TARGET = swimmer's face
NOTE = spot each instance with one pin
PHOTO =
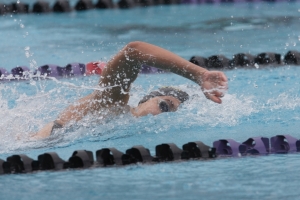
(157, 105)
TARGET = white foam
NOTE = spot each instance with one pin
(201, 111)
(284, 101)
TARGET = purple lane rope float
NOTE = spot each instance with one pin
(70, 70)
(166, 152)
(50, 70)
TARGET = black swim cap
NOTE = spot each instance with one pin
(167, 91)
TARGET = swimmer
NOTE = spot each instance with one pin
(123, 69)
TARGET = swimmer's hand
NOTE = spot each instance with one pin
(44, 132)
(214, 85)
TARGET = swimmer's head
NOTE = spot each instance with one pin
(166, 99)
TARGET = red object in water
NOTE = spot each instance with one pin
(94, 67)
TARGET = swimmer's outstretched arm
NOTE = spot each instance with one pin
(123, 69)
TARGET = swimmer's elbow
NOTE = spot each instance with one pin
(135, 45)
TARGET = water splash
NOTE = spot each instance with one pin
(44, 105)
(283, 101)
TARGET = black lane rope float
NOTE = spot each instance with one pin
(246, 60)
(81, 5)
(166, 152)
(220, 62)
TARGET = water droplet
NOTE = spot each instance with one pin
(32, 82)
(27, 54)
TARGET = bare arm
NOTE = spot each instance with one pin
(123, 69)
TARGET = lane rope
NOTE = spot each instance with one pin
(219, 62)
(166, 152)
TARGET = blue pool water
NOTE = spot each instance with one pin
(260, 102)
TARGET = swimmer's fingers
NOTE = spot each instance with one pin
(223, 85)
(44, 132)
(19, 136)
(223, 77)
(221, 81)
(214, 79)
(214, 85)
(26, 137)
(214, 96)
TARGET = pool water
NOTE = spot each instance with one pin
(260, 102)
